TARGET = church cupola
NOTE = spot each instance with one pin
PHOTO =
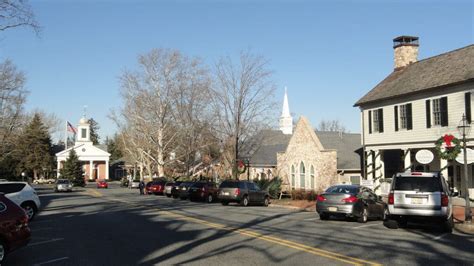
(286, 121)
(83, 131)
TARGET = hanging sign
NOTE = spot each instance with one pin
(424, 156)
(470, 156)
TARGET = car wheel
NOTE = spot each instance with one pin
(364, 216)
(323, 216)
(210, 199)
(225, 203)
(167, 195)
(245, 201)
(448, 225)
(3, 251)
(266, 202)
(30, 210)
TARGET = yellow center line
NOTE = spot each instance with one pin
(252, 234)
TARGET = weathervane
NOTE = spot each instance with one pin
(85, 111)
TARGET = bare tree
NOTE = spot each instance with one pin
(12, 99)
(242, 101)
(17, 13)
(331, 125)
(162, 106)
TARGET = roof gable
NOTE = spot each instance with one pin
(84, 150)
(442, 70)
(347, 146)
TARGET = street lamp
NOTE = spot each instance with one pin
(464, 128)
(23, 174)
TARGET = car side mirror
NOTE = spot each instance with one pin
(379, 197)
(454, 194)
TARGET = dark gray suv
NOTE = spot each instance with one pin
(242, 192)
(420, 196)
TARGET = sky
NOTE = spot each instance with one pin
(327, 53)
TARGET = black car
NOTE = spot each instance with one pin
(183, 190)
(352, 201)
(242, 192)
(175, 189)
(203, 191)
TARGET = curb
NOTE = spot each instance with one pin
(291, 208)
(466, 229)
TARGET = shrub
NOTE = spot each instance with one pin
(301, 194)
(273, 186)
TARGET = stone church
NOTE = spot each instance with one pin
(304, 158)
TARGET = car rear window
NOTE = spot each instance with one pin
(63, 181)
(3, 207)
(343, 190)
(420, 183)
(199, 185)
(228, 184)
(11, 188)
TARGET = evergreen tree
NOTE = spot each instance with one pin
(94, 129)
(72, 169)
(33, 150)
(113, 148)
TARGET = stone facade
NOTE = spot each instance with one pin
(306, 164)
(405, 55)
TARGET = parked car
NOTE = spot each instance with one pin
(351, 201)
(14, 230)
(203, 191)
(184, 190)
(420, 196)
(134, 184)
(242, 192)
(168, 188)
(155, 187)
(23, 195)
(102, 183)
(63, 185)
(124, 182)
(175, 189)
(42, 181)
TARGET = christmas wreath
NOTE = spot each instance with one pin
(241, 167)
(448, 147)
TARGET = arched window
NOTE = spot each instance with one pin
(302, 175)
(293, 176)
(311, 172)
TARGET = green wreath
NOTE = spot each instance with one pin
(453, 147)
(241, 167)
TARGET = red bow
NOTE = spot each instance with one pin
(447, 139)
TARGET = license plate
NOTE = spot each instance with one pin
(417, 200)
(332, 209)
(226, 193)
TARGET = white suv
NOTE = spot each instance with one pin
(23, 195)
(420, 196)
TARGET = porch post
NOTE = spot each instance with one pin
(107, 169)
(443, 164)
(407, 160)
(369, 165)
(91, 169)
(379, 168)
(59, 166)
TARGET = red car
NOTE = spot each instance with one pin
(14, 230)
(102, 184)
(155, 187)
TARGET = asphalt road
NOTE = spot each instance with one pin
(117, 226)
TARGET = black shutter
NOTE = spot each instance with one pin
(409, 117)
(444, 111)
(370, 122)
(395, 110)
(380, 120)
(428, 114)
(467, 106)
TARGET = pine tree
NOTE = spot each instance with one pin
(72, 169)
(34, 149)
(94, 129)
(113, 148)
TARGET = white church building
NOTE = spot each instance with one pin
(95, 160)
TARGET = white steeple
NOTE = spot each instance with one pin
(286, 121)
(84, 130)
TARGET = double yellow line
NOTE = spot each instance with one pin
(252, 234)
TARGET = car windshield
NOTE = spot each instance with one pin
(420, 183)
(343, 190)
(229, 184)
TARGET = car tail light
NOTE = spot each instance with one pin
(444, 200)
(321, 198)
(416, 173)
(350, 199)
(237, 191)
(391, 199)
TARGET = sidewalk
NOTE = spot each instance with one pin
(459, 216)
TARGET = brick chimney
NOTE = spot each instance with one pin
(406, 51)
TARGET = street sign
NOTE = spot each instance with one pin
(424, 156)
(367, 183)
(470, 156)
